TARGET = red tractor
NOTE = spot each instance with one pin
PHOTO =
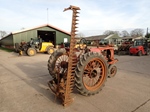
(140, 47)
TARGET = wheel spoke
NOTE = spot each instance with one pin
(93, 73)
(93, 82)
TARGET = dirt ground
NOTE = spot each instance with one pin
(23, 87)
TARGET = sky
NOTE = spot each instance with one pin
(96, 16)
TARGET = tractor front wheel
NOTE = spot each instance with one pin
(148, 51)
(112, 70)
(139, 53)
(91, 73)
(31, 52)
(50, 50)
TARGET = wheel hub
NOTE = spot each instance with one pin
(31, 52)
(51, 51)
(64, 64)
(93, 74)
(113, 70)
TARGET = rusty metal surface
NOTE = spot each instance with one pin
(72, 57)
(94, 74)
(63, 79)
(65, 64)
(124, 48)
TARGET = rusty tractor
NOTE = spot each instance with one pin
(86, 69)
(123, 49)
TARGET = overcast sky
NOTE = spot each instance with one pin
(96, 16)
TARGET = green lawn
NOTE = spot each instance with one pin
(6, 49)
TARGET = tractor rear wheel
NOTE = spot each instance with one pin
(17, 47)
(55, 61)
(91, 73)
(31, 52)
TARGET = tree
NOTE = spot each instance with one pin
(125, 33)
(22, 28)
(137, 32)
(80, 35)
(109, 32)
(2, 34)
(147, 35)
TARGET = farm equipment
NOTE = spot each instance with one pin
(79, 45)
(86, 69)
(34, 46)
(123, 49)
(140, 47)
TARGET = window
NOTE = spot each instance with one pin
(65, 40)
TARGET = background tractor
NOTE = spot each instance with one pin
(79, 45)
(86, 68)
(34, 46)
(140, 47)
(123, 49)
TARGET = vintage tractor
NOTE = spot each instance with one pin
(86, 68)
(123, 49)
(140, 47)
(34, 46)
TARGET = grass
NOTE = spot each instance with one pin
(6, 49)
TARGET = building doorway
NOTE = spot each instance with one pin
(47, 36)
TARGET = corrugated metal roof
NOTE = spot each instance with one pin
(132, 37)
(48, 25)
(45, 25)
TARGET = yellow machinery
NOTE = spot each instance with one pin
(47, 47)
(82, 44)
(32, 48)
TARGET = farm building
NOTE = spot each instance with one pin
(47, 33)
(113, 38)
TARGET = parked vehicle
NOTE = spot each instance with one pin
(140, 47)
(123, 49)
(34, 46)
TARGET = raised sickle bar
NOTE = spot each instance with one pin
(62, 66)
(72, 57)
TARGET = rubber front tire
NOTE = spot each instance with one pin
(130, 54)
(50, 50)
(148, 52)
(87, 65)
(139, 53)
(112, 70)
(31, 52)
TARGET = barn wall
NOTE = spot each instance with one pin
(7, 41)
(10, 40)
(27, 35)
